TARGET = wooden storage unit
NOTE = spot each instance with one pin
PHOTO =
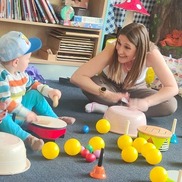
(72, 46)
(42, 30)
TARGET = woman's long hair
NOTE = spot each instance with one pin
(138, 35)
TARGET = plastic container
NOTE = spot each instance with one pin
(13, 159)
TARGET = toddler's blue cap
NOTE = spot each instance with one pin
(15, 44)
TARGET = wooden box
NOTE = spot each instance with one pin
(77, 3)
(47, 54)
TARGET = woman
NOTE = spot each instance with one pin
(118, 73)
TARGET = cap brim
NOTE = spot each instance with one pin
(36, 44)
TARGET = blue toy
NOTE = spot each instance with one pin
(85, 129)
(174, 138)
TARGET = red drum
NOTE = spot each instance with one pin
(48, 128)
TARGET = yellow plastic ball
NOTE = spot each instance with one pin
(124, 141)
(158, 173)
(72, 147)
(138, 143)
(50, 150)
(103, 126)
(146, 147)
(154, 156)
(129, 154)
(97, 143)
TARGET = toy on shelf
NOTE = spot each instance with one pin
(174, 138)
(99, 172)
(131, 6)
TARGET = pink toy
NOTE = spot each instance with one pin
(90, 157)
(97, 153)
(118, 116)
(84, 152)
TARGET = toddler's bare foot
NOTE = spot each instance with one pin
(34, 143)
(68, 120)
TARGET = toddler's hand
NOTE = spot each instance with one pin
(3, 106)
(2, 114)
(3, 110)
(54, 93)
(31, 117)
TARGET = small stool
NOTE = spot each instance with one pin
(118, 117)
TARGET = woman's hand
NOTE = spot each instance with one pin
(115, 97)
(140, 104)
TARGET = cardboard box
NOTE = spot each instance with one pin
(77, 3)
(88, 19)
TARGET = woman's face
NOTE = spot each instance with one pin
(125, 49)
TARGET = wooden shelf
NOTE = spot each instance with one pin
(47, 25)
(36, 60)
(42, 30)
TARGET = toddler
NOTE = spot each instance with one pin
(24, 97)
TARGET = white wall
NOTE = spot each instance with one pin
(53, 72)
